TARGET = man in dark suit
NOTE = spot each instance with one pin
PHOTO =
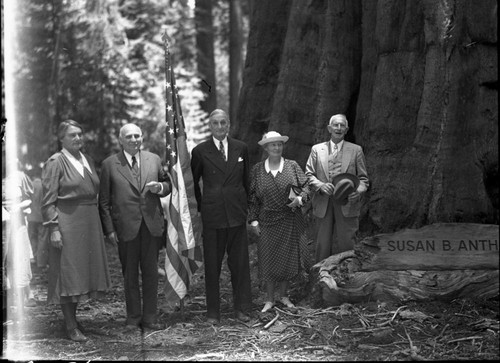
(132, 182)
(222, 164)
(338, 221)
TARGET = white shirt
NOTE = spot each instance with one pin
(138, 160)
(224, 142)
(129, 158)
(339, 145)
(76, 163)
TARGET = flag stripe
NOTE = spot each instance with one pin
(183, 252)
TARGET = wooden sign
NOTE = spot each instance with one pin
(439, 261)
(443, 246)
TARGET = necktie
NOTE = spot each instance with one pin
(335, 150)
(221, 149)
(135, 169)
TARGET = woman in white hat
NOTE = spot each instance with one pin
(277, 218)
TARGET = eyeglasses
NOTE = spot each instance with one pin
(342, 126)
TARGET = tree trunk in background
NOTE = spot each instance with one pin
(418, 82)
(205, 53)
(235, 56)
(268, 27)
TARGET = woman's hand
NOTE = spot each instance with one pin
(255, 229)
(56, 239)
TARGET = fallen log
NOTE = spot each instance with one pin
(440, 261)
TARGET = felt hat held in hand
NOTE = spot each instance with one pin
(344, 184)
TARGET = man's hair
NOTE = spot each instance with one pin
(218, 111)
(64, 125)
(120, 133)
(339, 117)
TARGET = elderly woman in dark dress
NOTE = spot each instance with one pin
(78, 267)
(281, 225)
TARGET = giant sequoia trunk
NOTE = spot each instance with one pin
(418, 82)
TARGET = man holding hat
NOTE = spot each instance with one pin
(338, 178)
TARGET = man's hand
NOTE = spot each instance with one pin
(354, 196)
(56, 239)
(112, 238)
(154, 187)
(327, 188)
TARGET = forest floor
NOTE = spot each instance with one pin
(456, 330)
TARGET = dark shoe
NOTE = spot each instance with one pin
(80, 327)
(76, 335)
(213, 321)
(154, 326)
(241, 316)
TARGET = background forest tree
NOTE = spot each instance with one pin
(418, 81)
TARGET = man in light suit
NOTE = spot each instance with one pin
(338, 223)
(132, 182)
(222, 164)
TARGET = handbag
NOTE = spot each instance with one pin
(292, 191)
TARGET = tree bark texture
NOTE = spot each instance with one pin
(235, 56)
(205, 53)
(418, 82)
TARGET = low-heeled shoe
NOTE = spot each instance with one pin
(76, 335)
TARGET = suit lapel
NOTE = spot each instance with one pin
(346, 156)
(145, 164)
(124, 169)
(323, 156)
(232, 155)
(213, 154)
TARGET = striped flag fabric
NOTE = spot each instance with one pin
(183, 246)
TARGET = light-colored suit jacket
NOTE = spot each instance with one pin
(123, 204)
(353, 161)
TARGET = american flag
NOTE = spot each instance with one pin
(183, 248)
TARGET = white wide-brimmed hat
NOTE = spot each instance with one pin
(272, 136)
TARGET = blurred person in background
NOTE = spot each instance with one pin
(17, 190)
(38, 233)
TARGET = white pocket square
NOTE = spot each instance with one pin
(240, 159)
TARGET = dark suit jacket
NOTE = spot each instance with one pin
(223, 202)
(122, 204)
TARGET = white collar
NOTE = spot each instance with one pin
(268, 169)
(129, 157)
(339, 145)
(76, 163)
(217, 142)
